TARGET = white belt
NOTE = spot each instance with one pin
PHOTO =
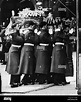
(58, 43)
(16, 45)
(44, 44)
(29, 44)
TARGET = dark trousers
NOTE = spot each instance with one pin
(15, 79)
(69, 52)
(0, 84)
(41, 78)
(50, 78)
(58, 78)
(3, 53)
(2, 57)
(28, 78)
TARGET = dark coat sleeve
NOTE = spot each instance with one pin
(16, 38)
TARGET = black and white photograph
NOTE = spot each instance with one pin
(40, 51)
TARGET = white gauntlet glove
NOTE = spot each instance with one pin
(50, 31)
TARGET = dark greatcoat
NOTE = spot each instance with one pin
(59, 56)
(27, 60)
(43, 54)
(69, 69)
(14, 55)
(58, 64)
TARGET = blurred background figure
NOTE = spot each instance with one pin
(3, 42)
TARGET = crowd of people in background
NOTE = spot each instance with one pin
(40, 51)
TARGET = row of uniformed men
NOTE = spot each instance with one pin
(35, 56)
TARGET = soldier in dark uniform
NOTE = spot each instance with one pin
(27, 60)
(1, 42)
(59, 57)
(68, 32)
(2, 35)
(43, 56)
(12, 66)
(50, 23)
